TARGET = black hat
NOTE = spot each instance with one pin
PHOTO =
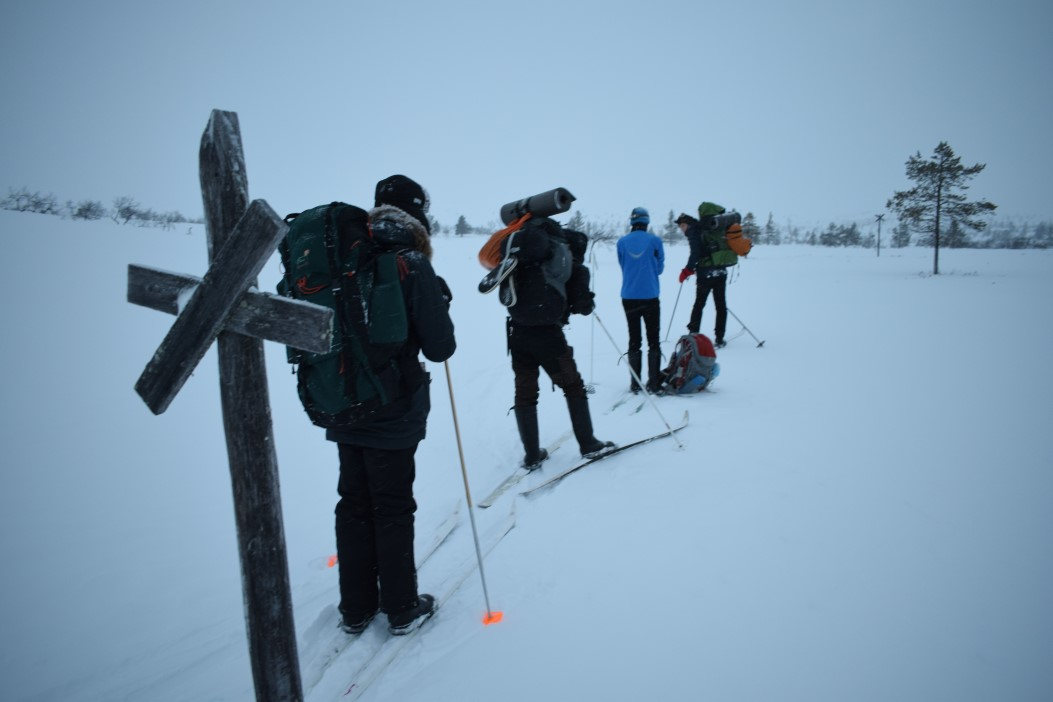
(405, 194)
(685, 218)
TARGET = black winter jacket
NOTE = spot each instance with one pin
(700, 258)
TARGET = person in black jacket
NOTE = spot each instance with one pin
(549, 283)
(375, 513)
(712, 277)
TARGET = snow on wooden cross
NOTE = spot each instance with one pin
(221, 307)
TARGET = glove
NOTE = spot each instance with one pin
(685, 274)
(446, 294)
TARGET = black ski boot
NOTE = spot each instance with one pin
(526, 420)
(581, 421)
(634, 364)
(409, 620)
(355, 624)
(654, 373)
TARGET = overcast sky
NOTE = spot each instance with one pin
(805, 110)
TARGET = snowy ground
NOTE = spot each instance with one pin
(862, 509)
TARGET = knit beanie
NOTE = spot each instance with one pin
(405, 194)
(639, 215)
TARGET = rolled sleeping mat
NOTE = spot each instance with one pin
(720, 221)
(546, 204)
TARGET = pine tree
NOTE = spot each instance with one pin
(577, 222)
(936, 197)
(771, 232)
(670, 230)
(1043, 236)
(955, 237)
(900, 235)
(749, 226)
(462, 227)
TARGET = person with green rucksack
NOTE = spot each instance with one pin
(370, 391)
(709, 257)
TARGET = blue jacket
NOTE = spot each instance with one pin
(642, 258)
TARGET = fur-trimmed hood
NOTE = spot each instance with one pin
(392, 226)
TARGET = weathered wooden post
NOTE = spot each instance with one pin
(241, 237)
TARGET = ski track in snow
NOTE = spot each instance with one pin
(861, 510)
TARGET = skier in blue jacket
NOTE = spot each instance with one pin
(642, 259)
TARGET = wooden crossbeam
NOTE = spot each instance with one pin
(233, 269)
(260, 315)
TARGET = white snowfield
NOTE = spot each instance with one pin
(862, 509)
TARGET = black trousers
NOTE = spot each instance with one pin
(645, 312)
(536, 348)
(374, 530)
(703, 285)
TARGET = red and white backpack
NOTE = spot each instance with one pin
(692, 367)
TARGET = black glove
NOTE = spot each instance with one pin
(446, 294)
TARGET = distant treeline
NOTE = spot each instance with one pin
(1000, 234)
(124, 210)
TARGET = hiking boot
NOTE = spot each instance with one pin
(542, 455)
(411, 619)
(634, 368)
(526, 421)
(654, 367)
(720, 343)
(355, 624)
(581, 422)
(597, 448)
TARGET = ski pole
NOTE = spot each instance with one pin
(492, 617)
(759, 342)
(591, 387)
(639, 382)
(670, 325)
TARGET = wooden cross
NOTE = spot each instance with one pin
(241, 237)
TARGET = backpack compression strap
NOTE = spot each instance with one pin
(349, 349)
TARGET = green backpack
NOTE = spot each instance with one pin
(330, 258)
(714, 237)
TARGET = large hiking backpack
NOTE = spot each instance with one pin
(692, 367)
(549, 279)
(331, 258)
(722, 236)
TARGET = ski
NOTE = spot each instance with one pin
(616, 450)
(620, 401)
(373, 668)
(512, 480)
(492, 279)
(323, 641)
